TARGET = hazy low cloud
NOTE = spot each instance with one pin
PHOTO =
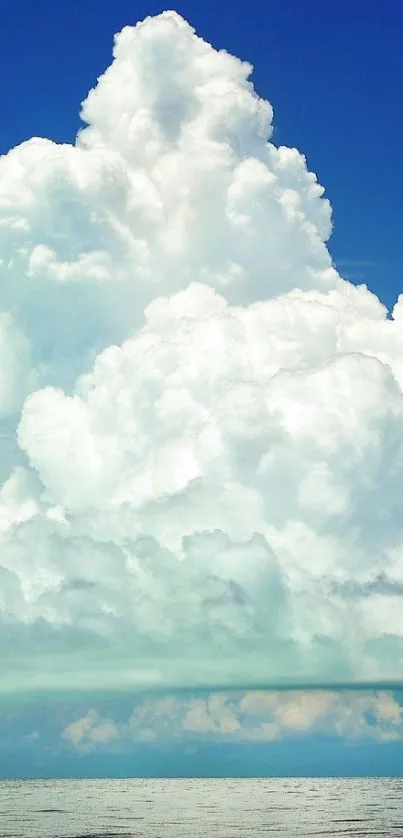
(247, 717)
(90, 730)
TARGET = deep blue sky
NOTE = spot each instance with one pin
(333, 71)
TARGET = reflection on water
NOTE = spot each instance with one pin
(201, 808)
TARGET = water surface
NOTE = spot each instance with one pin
(201, 808)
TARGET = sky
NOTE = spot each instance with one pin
(199, 734)
(180, 344)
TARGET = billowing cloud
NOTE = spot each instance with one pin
(201, 444)
(244, 717)
(90, 730)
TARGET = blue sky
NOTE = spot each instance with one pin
(334, 75)
(198, 734)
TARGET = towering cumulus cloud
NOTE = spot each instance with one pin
(201, 421)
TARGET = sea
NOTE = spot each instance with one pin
(201, 808)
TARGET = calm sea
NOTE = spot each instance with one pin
(201, 808)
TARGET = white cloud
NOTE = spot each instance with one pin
(348, 714)
(90, 731)
(247, 717)
(213, 715)
(201, 442)
(75, 731)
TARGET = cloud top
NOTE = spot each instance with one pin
(201, 449)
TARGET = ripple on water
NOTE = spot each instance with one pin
(202, 808)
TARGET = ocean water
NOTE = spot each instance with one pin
(201, 808)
